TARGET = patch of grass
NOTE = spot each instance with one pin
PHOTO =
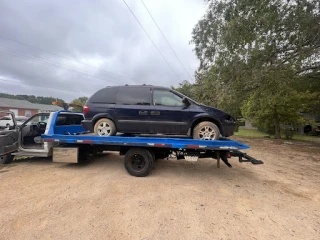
(250, 133)
(306, 138)
(257, 134)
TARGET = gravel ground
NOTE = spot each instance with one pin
(178, 200)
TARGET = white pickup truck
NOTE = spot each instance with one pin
(25, 140)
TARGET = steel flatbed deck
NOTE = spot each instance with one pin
(73, 145)
(159, 142)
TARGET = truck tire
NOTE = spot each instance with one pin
(105, 127)
(5, 159)
(83, 155)
(206, 131)
(138, 162)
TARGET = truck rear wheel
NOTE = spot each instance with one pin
(5, 159)
(139, 162)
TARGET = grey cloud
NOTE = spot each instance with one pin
(98, 32)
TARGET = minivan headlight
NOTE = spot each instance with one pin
(229, 119)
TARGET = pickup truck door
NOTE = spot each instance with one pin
(8, 135)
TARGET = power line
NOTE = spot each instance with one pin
(151, 39)
(44, 61)
(60, 56)
(6, 80)
(166, 39)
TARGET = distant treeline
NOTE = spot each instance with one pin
(32, 98)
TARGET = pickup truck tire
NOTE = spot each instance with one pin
(206, 131)
(105, 127)
(5, 159)
(139, 162)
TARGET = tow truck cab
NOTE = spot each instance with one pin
(25, 140)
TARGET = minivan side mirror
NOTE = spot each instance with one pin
(186, 101)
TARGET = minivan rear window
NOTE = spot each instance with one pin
(134, 96)
(69, 119)
(105, 95)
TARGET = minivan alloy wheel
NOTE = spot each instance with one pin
(105, 127)
(207, 133)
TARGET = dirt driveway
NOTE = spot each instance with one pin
(179, 200)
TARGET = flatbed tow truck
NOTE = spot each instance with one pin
(66, 141)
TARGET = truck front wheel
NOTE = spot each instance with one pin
(5, 159)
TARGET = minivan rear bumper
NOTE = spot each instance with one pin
(87, 124)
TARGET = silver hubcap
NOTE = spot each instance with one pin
(104, 129)
(207, 133)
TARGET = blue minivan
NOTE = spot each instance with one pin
(146, 109)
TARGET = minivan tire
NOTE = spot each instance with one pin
(105, 127)
(206, 131)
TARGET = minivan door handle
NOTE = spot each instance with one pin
(143, 112)
(156, 113)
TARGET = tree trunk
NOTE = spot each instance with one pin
(276, 124)
(277, 130)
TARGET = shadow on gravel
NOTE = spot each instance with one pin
(33, 160)
(95, 161)
(202, 169)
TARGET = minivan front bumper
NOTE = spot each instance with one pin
(228, 128)
(88, 125)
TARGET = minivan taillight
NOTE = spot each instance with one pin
(86, 109)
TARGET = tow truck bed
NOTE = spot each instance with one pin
(140, 152)
(173, 143)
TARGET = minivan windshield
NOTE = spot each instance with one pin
(181, 95)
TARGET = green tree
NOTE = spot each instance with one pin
(79, 102)
(186, 88)
(261, 57)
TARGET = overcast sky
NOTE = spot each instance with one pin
(84, 45)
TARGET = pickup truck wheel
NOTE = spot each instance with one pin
(6, 159)
(206, 131)
(138, 162)
(105, 127)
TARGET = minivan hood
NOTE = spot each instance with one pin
(214, 111)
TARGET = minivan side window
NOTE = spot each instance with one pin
(166, 98)
(134, 96)
(105, 95)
